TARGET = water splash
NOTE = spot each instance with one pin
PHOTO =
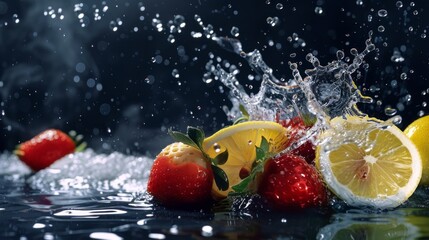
(326, 92)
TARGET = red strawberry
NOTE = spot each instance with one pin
(181, 176)
(289, 182)
(44, 149)
(297, 128)
(306, 150)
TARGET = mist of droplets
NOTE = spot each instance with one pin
(85, 172)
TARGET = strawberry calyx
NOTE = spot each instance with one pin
(78, 141)
(194, 137)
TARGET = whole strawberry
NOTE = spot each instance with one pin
(289, 182)
(45, 148)
(181, 176)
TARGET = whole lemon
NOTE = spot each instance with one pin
(418, 132)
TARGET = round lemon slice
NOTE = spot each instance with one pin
(240, 140)
(418, 131)
(367, 162)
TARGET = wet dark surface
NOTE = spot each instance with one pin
(27, 213)
(106, 70)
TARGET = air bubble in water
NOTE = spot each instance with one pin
(279, 6)
(381, 28)
(382, 13)
(369, 18)
(415, 12)
(359, 2)
(423, 35)
(404, 76)
(235, 31)
(318, 10)
(175, 73)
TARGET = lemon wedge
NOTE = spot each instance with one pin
(367, 162)
(240, 140)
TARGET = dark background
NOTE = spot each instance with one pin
(126, 97)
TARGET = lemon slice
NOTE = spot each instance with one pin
(418, 131)
(240, 141)
(368, 163)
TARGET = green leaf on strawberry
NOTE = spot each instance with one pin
(221, 158)
(196, 135)
(220, 177)
(195, 138)
(183, 138)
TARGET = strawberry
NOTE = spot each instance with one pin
(307, 150)
(180, 175)
(297, 127)
(45, 148)
(289, 182)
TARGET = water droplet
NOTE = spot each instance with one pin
(340, 55)
(149, 79)
(273, 21)
(175, 73)
(235, 31)
(403, 76)
(279, 6)
(318, 10)
(171, 38)
(15, 18)
(113, 26)
(407, 97)
(179, 20)
(399, 4)
(207, 231)
(397, 57)
(381, 28)
(196, 34)
(389, 111)
(382, 13)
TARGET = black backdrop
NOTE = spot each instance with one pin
(117, 87)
